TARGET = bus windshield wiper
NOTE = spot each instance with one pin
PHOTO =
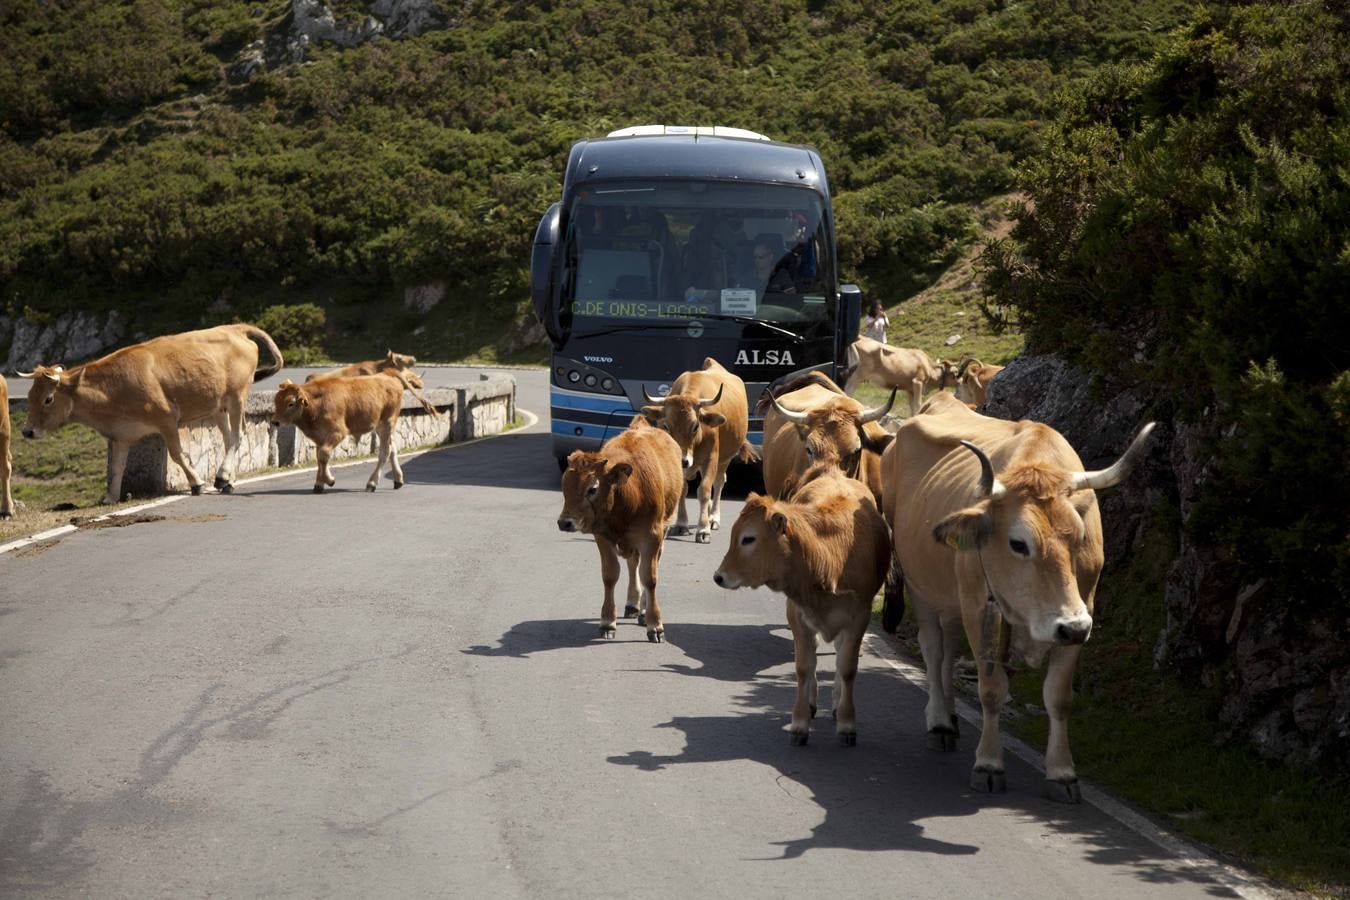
(749, 320)
(633, 326)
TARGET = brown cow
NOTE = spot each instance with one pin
(399, 362)
(972, 381)
(905, 369)
(625, 494)
(329, 409)
(707, 414)
(156, 387)
(1015, 555)
(6, 501)
(828, 550)
(811, 420)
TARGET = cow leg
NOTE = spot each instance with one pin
(609, 575)
(715, 516)
(6, 473)
(705, 495)
(847, 647)
(171, 440)
(323, 478)
(853, 381)
(988, 776)
(230, 421)
(681, 525)
(934, 646)
(636, 604)
(395, 470)
(804, 657)
(382, 433)
(117, 465)
(1061, 779)
(915, 396)
(649, 560)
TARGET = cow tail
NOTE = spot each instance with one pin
(747, 453)
(893, 605)
(409, 388)
(265, 339)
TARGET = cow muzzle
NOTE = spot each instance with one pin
(724, 580)
(688, 460)
(567, 524)
(1073, 631)
(32, 432)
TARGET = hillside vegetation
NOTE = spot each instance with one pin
(136, 174)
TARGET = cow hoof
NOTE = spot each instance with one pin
(848, 738)
(714, 525)
(655, 636)
(675, 530)
(196, 490)
(608, 631)
(641, 618)
(318, 489)
(226, 488)
(6, 515)
(630, 611)
(988, 781)
(220, 483)
(1063, 791)
(370, 488)
(942, 739)
(703, 536)
(398, 484)
(799, 738)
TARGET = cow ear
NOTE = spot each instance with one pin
(286, 383)
(712, 419)
(877, 443)
(621, 473)
(967, 529)
(575, 458)
(779, 523)
(652, 414)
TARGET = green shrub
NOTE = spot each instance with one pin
(298, 331)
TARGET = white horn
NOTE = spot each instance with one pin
(990, 486)
(659, 401)
(790, 414)
(703, 402)
(25, 374)
(1105, 478)
(872, 415)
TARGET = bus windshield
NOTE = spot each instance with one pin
(645, 251)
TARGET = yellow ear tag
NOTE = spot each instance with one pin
(954, 540)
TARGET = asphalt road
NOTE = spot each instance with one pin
(402, 694)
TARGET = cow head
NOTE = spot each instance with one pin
(588, 485)
(289, 404)
(51, 399)
(685, 417)
(835, 432)
(761, 545)
(1027, 530)
(948, 376)
(394, 360)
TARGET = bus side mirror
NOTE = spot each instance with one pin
(543, 266)
(851, 299)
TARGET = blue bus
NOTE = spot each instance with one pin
(672, 244)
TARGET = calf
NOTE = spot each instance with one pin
(395, 362)
(972, 381)
(6, 501)
(327, 410)
(899, 368)
(625, 494)
(828, 550)
(156, 387)
(707, 414)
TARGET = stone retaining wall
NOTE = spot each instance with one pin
(467, 411)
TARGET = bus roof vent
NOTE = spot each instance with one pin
(696, 130)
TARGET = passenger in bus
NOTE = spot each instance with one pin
(771, 266)
(708, 262)
(803, 253)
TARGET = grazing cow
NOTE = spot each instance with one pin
(1015, 555)
(399, 362)
(828, 550)
(6, 501)
(156, 387)
(812, 421)
(707, 414)
(625, 494)
(899, 368)
(972, 381)
(327, 410)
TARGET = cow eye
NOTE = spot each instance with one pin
(592, 491)
(747, 540)
(810, 454)
(1019, 547)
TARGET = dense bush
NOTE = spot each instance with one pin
(130, 167)
(298, 331)
(1187, 232)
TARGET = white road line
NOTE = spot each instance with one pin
(1239, 882)
(530, 418)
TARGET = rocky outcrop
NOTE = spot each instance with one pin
(1285, 678)
(69, 338)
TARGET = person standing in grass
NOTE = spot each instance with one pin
(874, 326)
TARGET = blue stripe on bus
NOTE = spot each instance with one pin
(602, 404)
(569, 429)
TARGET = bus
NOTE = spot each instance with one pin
(672, 244)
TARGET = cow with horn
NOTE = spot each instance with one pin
(707, 414)
(995, 527)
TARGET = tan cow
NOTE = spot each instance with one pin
(898, 368)
(708, 416)
(329, 409)
(626, 494)
(972, 381)
(6, 500)
(812, 421)
(1012, 557)
(399, 362)
(156, 387)
(828, 550)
